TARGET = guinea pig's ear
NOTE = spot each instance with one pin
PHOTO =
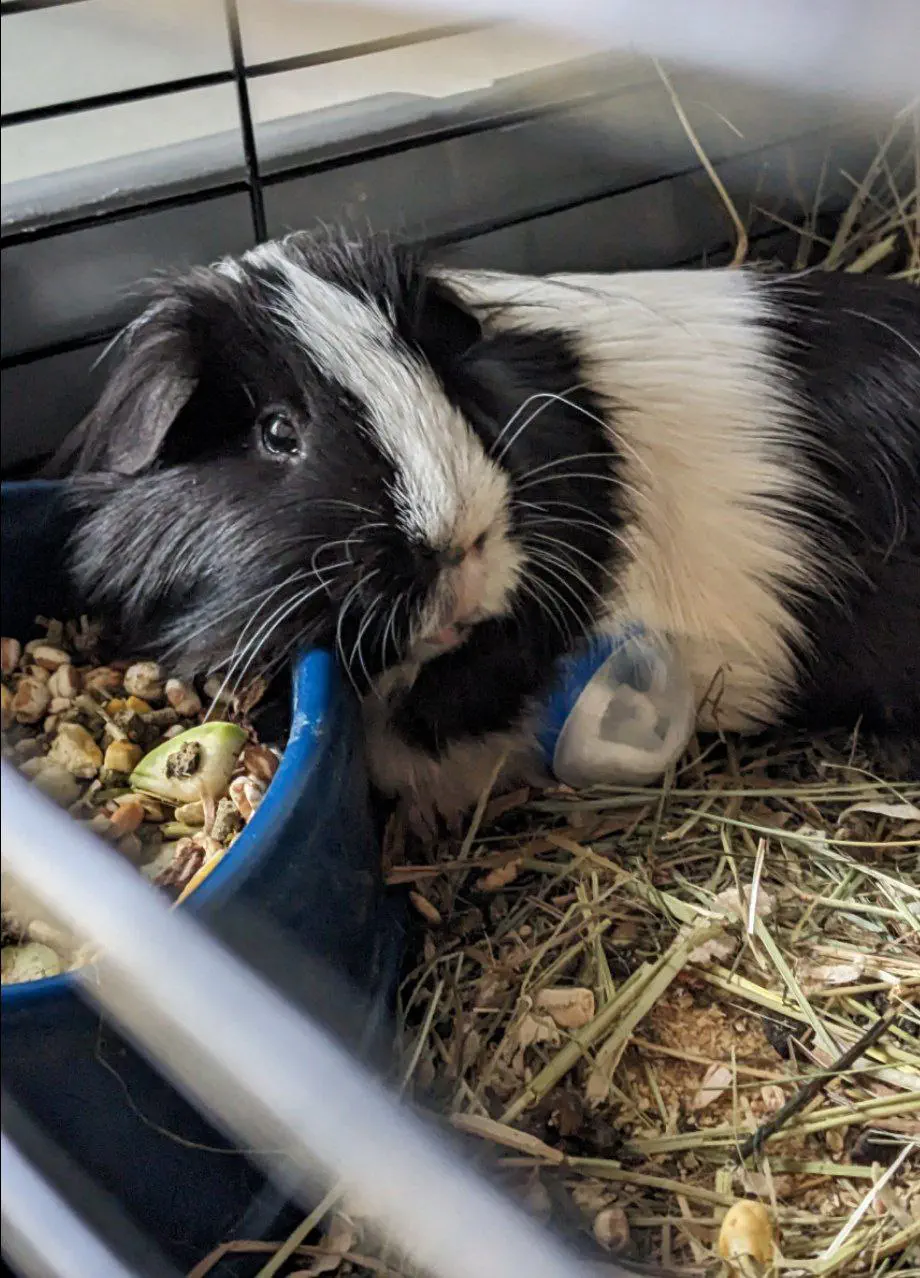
(430, 313)
(152, 382)
(447, 328)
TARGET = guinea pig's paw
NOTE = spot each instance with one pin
(429, 817)
(438, 791)
(441, 796)
(467, 772)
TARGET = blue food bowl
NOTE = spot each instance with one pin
(299, 896)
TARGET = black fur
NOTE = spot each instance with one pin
(185, 521)
(508, 661)
(852, 347)
(190, 530)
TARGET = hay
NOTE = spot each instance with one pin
(742, 951)
(637, 1007)
(879, 230)
(741, 948)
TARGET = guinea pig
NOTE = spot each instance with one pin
(450, 476)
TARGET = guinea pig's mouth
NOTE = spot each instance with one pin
(438, 641)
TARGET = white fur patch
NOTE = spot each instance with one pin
(710, 473)
(448, 491)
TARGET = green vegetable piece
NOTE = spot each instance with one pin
(198, 763)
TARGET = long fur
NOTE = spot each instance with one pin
(488, 466)
(705, 424)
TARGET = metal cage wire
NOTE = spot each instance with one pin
(240, 74)
(357, 1137)
(456, 1223)
(241, 1053)
(445, 137)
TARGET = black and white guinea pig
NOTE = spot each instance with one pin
(449, 476)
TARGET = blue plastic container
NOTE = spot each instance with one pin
(299, 895)
(573, 673)
(620, 712)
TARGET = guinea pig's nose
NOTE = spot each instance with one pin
(451, 556)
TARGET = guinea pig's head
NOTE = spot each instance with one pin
(300, 445)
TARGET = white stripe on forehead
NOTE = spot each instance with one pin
(445, 486)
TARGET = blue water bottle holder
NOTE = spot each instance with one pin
(622, 710)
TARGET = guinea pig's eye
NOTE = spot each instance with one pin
(279, 434)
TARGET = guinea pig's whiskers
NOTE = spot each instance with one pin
(532, 535)
(570, 573)
(355, 540)
(573, 601)
(569, 615)
(301, 575)
(557, 479)
(346, 604)
(566, 461)
(271, 667)
(577, 609)
(352, 539)
(613, 533)
(547, 606)
(543, 399)
(389, 633)
(189, 635)
(243, 661)
(369, 615)
(260, 644)
(316, 567)
(623, 444)
(594, 523)
(557, 609)
(255, 601)
(528, 480)
(241, 666)
(339, 626)
(264, 597)
(343, 505)
(557, 502)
